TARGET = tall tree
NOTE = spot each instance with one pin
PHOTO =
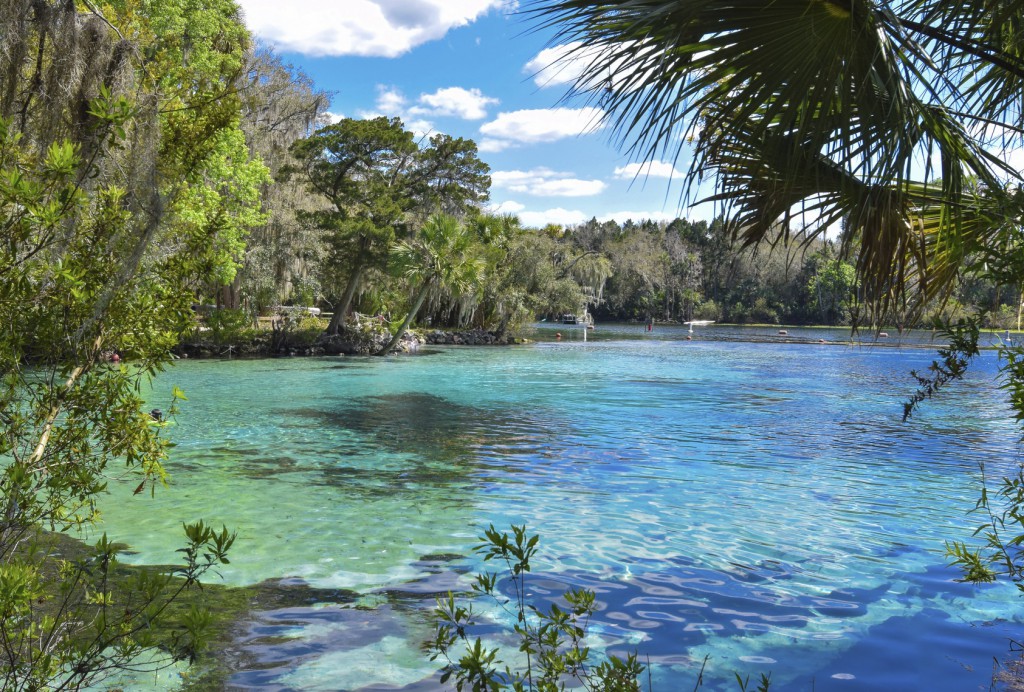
(280, 105)
(452, 178)
(380, 185)
(362, 168)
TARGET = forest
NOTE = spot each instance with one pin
(333, 242)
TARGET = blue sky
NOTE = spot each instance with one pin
(475, 69)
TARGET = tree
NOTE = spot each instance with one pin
(124, 186)
(452, 177)
(442, 255)
(362, 167)
(380, 185)
(280, 105)
(831, 287)
(823, 109)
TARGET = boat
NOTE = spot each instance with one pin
(699, 323)
(573, 318)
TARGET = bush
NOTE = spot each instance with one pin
(551, 640)
(229, 326)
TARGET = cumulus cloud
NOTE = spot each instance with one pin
(558, 216)
(390, 100)
(556, 66)
(544, 182)
(650, 169)
(538, 126)
(507, 207)
(468, 104)
(564, 65)
(493, 146)
(451, 101)
(379, 28)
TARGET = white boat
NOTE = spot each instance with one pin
(699, 323)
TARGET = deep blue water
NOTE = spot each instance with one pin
(759, 503)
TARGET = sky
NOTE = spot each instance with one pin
(476, 69)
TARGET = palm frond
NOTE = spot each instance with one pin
(841, 108)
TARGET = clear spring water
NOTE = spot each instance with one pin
(758, 503)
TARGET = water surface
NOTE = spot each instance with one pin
(757, 503)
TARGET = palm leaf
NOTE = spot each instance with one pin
(835, 107)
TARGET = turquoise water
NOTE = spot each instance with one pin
(758, 503)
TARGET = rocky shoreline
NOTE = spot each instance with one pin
(350, 342)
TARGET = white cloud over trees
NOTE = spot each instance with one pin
(468, 104)
(544, 182)
(538, 126)
(378, 28)
(649, 169)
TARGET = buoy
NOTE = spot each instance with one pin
(689, 338)
(883, 335)
(783, 332)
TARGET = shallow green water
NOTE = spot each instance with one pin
(761, 503)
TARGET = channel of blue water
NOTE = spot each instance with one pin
(738, 502)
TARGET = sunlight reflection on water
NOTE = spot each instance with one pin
(760, 503)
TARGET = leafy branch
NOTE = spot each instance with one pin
(951, 365)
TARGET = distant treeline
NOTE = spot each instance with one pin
(687, 270)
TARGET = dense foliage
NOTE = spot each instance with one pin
(125, 186)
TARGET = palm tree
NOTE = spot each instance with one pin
(441, 256)
(835, 108)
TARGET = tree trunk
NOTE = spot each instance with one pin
(408, 319)
(341, 311)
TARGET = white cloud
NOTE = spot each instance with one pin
(559, 216)
(468, 104)
(544, 182)
(564, 65)
(391, 103)
(421, 129)
(1015, 159)
(390, 100)
(556, 66)
(538, 126)
(650, 169)
(334, 117)
(452, 101)
(508, 207)
(493, 146)
(381, 28)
